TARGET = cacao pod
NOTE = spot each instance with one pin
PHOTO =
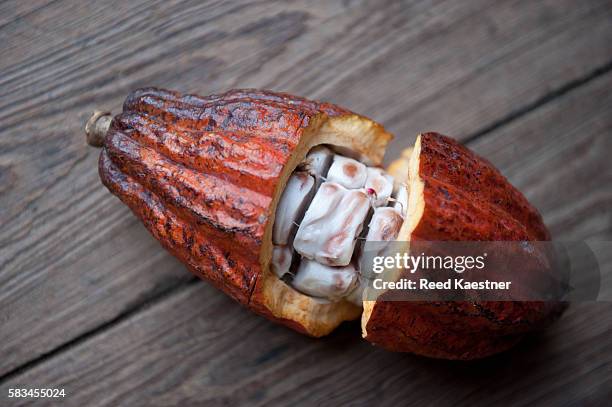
(205, 175)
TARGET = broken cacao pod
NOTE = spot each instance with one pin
(206, 175)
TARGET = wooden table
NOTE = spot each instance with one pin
(91, 303)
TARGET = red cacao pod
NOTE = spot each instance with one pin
(205, 175)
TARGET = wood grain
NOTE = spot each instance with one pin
(197, 347)
(73, 260)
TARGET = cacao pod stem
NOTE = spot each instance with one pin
(96, 128)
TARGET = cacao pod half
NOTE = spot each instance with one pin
(205, 175)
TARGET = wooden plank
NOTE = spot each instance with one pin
(11, 12)
(73, 258)
(199, 347)
(424, 51)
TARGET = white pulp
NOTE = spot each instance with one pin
(331, 224)
(331, 217)
(292, 205)
(347, 172)
(318, 280)
(381, 184)
(281, 260)
(317, 162)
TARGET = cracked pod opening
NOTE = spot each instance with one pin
(439, 191)
(332, 203)
(329, 193)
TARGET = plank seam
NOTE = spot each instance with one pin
(547, 98)
(76, 341)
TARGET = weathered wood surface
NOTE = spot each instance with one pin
(199, 347)
(77, 271)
